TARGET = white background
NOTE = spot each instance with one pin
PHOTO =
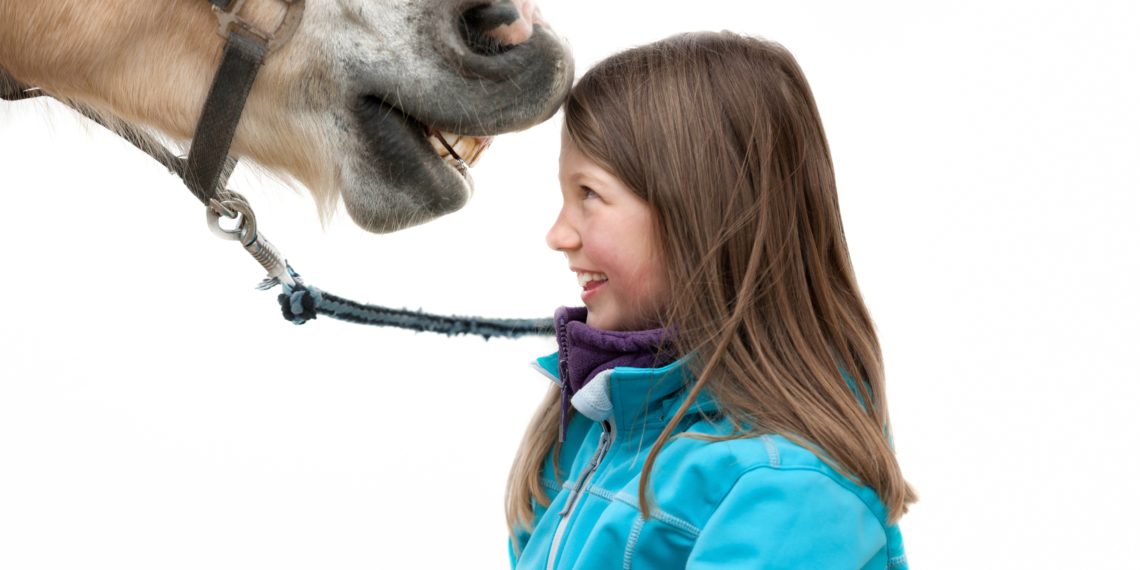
(156, 411)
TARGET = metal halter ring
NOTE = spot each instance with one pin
(232, 205)
(230, 17)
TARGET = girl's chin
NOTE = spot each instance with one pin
(602, 320)
(597, 319)
(606, 319)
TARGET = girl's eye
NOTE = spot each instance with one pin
(588, 192)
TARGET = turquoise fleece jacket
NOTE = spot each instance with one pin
(760, 502)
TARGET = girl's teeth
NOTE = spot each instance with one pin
(586, 278)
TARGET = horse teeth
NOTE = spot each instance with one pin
(462, 146)
(468, 148)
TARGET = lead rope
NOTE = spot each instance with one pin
(301, 303)
(208, 168)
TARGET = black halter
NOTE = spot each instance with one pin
(208, 166)
(245, 51)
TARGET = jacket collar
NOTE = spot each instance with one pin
(584, 351)
(639, 397)
(587, 355)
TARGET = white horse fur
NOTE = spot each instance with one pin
(342, 108)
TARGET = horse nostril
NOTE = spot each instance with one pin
(487, 29)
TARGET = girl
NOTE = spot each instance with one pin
(700, 216)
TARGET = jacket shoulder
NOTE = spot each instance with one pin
(695, 473)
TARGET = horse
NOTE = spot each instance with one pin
(376, 103)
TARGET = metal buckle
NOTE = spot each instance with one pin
(233, 206)
(230, 17)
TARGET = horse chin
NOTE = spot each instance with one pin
(404, 182)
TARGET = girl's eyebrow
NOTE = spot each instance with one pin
(580, 177)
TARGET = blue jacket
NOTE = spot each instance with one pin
(760, 502)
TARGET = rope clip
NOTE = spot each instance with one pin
(232, 205)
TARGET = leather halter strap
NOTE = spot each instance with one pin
(208, 165)
(220, 115)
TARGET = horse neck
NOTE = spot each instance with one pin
(145, 61)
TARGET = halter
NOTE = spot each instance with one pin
(208, 165)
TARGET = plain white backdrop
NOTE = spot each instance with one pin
(157, 412)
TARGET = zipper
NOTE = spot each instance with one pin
(587, 474)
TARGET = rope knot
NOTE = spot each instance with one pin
(299, 305)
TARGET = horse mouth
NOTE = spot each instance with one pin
(419, 171)
(385, 123)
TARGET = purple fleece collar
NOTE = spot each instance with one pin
(584, 351)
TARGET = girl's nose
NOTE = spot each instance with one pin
(562, 236)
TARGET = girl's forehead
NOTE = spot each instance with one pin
(571, 156)
(573, 163)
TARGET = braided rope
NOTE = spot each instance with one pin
(301, 303)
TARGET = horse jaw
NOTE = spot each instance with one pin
(336, 108)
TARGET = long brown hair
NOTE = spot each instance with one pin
(721, 135)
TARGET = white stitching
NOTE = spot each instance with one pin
(773, 453)
(634, 533)
(896, 561)
(656, 514)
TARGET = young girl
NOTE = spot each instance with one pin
(719, 402)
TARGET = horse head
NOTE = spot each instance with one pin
(371, 102)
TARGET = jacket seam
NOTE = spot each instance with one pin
(634, 534)
(773, 453)
(812, 470)
(896, 562)
(655, 513)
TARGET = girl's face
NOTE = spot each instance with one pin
(605, 230)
